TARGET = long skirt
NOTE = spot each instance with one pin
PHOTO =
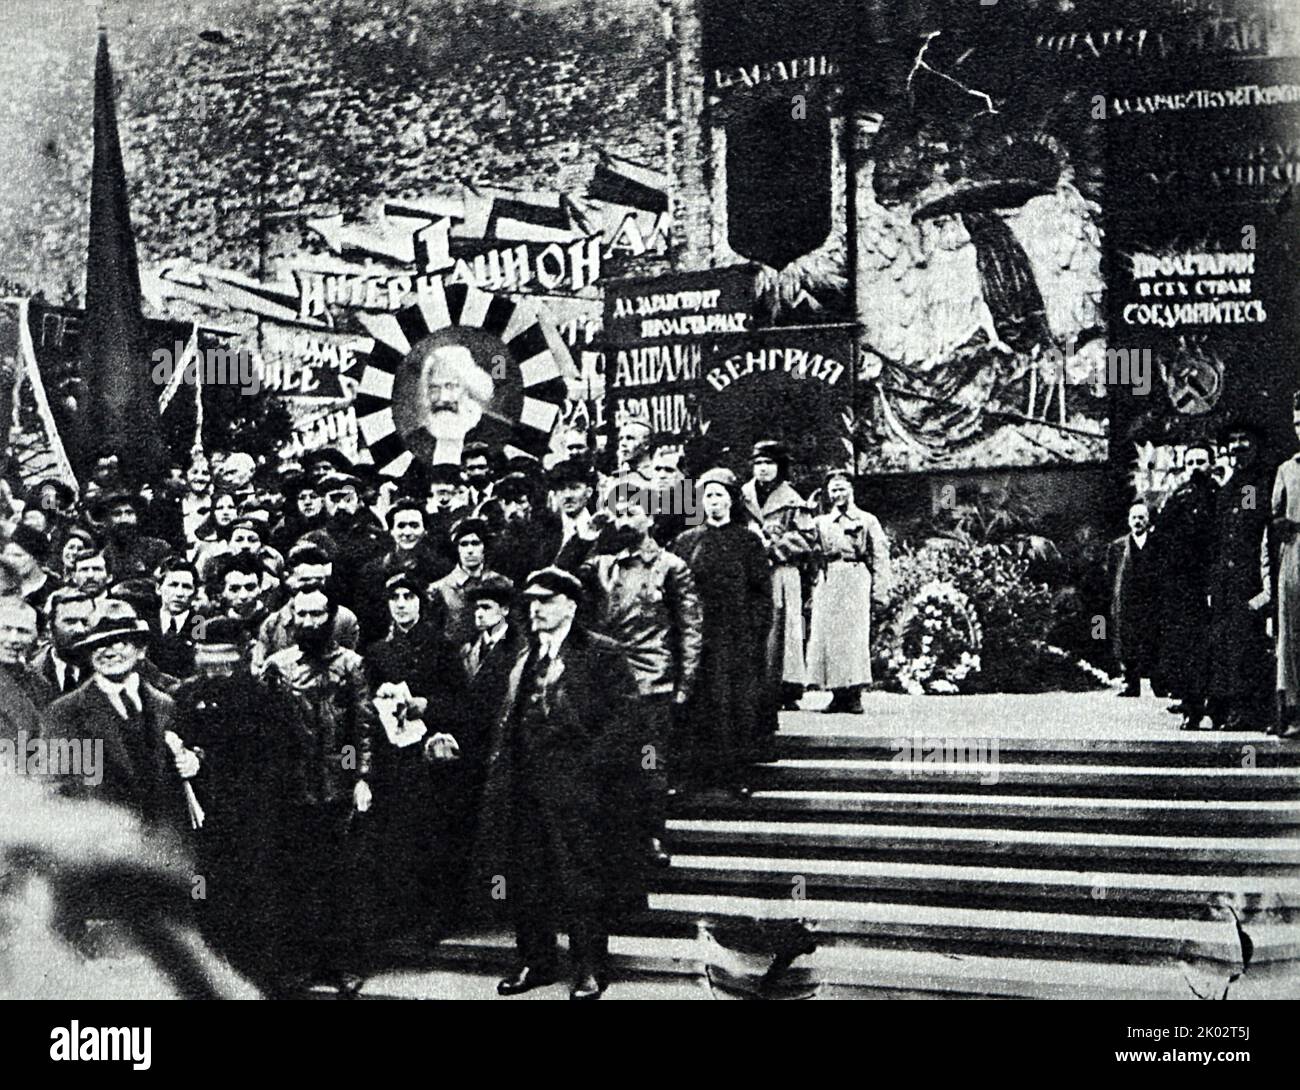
(1288, 622)
(785, 640)
(839, 641)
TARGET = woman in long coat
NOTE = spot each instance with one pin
(784, 521)
(726, 722)
(855, 551)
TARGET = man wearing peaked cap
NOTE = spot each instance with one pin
(470, 538)
(551, 581)
(548, 825)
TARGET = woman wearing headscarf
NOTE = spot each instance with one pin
(855, 553)
(726, 723)
(422, 818)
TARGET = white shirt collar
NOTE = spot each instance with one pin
(115, 691)
(551, 642)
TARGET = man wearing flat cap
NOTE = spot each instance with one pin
(548, 851)
(139, 769)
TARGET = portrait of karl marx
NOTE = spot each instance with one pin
(454, 391)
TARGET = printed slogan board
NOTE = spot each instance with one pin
(1202, 243)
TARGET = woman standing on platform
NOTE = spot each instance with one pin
(726, 725)
(855, 551)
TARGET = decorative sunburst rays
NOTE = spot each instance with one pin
(507, 341)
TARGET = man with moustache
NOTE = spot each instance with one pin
(55, 671)
(1241, 673)
(352, 535)
(327, 704)
(476, 472)
(1185, 536)
(90, 575)
(549, 830)
(528, 536)
(309, 567)
(140, 770)
(1131, 562)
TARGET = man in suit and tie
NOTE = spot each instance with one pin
(117, 706)
(548, 834)
(172, 646)
(1135, 600)
(54, 671)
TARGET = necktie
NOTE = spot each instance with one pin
(71, 675)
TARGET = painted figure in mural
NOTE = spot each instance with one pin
(855, 551)
(785, 523)
(1285, 532)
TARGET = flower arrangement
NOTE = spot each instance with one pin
(940, 641)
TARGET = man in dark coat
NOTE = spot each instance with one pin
(352, 535)
(332, 716)
(1241, 663)
(55, 670)
(140, 769)
(1185, 536)
(1135, 600)
(247, 749)
(548, 843)
(489, 657)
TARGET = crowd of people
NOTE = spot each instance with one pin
(1206, 589)
(382, 710)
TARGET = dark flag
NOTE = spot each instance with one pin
(119, 408)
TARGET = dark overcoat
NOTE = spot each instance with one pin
(727, 719)
(572, 782)
(139, 771)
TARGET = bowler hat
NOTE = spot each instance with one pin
(218, 632)
(548, 582)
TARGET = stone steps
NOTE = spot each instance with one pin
(1109, 781)
(1173, 895)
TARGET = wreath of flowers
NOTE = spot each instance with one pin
(939, 640)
